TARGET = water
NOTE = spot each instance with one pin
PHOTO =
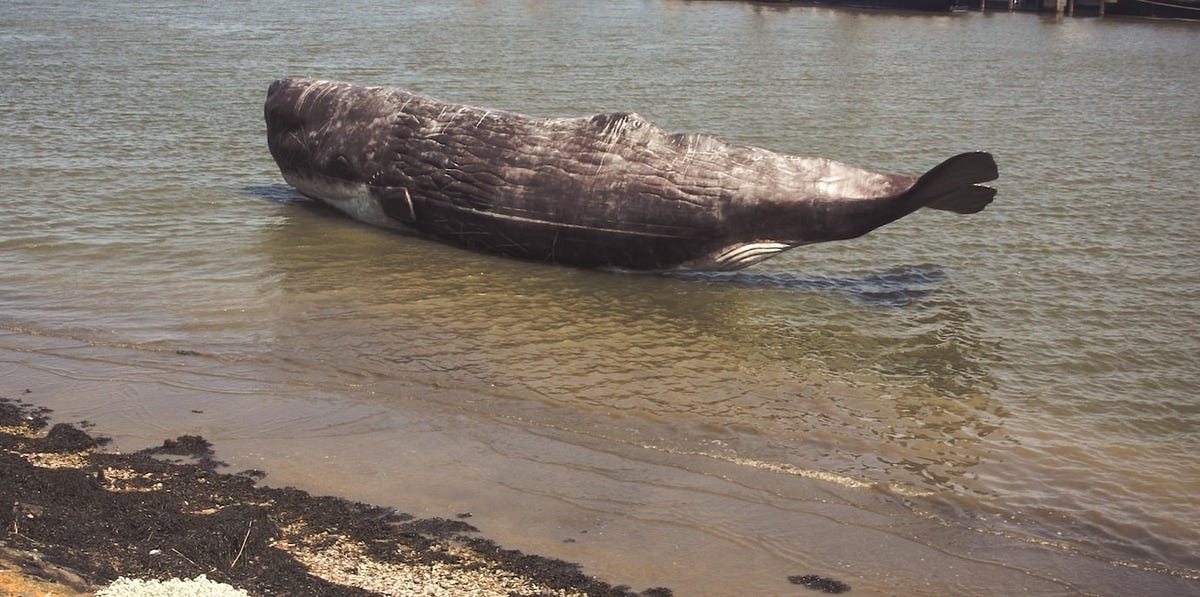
(951, 405)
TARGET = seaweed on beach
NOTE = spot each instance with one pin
(819, 583)
(103, 515)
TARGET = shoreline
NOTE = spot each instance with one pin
(83, 517)
(852, 533)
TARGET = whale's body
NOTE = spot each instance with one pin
(611, 190)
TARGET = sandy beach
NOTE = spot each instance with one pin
(83, 517)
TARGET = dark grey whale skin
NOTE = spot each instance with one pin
(611, 190)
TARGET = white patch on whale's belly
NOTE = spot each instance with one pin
(738, 256)
(352, 199)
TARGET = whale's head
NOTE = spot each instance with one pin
(302, 118)
(324, 146)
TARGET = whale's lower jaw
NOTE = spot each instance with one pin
(739, 256)
(354, 199)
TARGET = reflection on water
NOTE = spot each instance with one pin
(280, 193)
(896, 286)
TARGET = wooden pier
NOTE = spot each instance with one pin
(1158, 9)
(1061, 7)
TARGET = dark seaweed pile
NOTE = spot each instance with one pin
(180, 517)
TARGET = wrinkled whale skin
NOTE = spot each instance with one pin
(612, 190)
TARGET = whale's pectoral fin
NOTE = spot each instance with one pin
(396, 203)
(954, 185)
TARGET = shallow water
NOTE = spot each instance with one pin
(1020, 383)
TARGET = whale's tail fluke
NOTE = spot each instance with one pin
(954, 185)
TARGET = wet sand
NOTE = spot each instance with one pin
(83, 517)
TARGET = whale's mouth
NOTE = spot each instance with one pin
(739, 256)
(352, 198)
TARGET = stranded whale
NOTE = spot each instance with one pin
(611, 190)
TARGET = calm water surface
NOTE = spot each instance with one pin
(953, 404)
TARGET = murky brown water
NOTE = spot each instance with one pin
(949, 406)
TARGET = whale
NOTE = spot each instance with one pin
(611, 190)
